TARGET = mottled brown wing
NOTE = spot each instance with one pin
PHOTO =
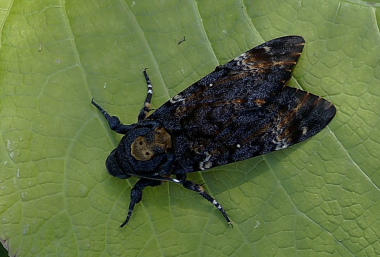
(243, 109)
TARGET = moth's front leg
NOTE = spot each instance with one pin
(136, 195)
(113, 121)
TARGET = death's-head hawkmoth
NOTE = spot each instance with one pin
(240, 110)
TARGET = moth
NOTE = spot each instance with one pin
(240, 110)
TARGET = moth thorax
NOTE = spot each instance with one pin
(155, 142)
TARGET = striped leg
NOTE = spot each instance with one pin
(146, 109)
(200, 190)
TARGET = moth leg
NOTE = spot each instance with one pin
(136, 195)
(200, 190)
(146, 109)
(113, 121)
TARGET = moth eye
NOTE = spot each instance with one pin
(147, 153)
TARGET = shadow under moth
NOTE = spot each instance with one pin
(240, 110)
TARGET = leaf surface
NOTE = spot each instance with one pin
(317, 198)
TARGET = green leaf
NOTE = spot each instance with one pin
(318, 198)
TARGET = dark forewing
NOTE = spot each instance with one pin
(243, 109)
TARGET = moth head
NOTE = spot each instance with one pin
(113, 166)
